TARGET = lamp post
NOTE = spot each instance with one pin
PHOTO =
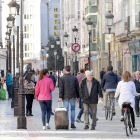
(89, 25)
(42, 50)
(66, 40)
(75, 31)
(58, 45)
(109, 22)
(21, 120)
(10, 21)
(14, 8)
(55, 53)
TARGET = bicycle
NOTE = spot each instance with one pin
(127, 121)
(110, 107)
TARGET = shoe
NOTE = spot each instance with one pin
(114, 113)
(97, 119)
(52, 113)
(30, 114)
(73, 126)
(44, 127)
(92, 127)
(134, 129)
(47, 125)
(137, 115)
(104, 108)
(27, 114)
(79, 121)
(122, 119)
(86, 127)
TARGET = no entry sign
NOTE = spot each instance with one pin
(75, 47)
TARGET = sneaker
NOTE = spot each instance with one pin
(134, 129)
(122, 118)
(114, 113)
(52, 113)
(97, 119)
(47, 125)
(73, 126)
(30, 114)
(86, 127)
(44, 127)
(79, 121)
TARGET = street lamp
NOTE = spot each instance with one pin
(52, 45)
(42, 50)
(55, 53)
(89, 25)
(47, 47)
(12, 7)
(21, 120)
(66, 38)
(58, 43)
(109, 22)
(75, 31)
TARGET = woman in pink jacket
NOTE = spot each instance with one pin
(43, 90)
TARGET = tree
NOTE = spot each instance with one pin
(51, 58)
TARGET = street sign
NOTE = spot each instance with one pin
(68, 57)
(94, 58)
(75, 47)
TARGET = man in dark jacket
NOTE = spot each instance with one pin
(89, 90)
(110, 81)
(102, 73)
(69, 92)
(137, 98)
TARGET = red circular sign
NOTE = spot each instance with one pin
(75, 47)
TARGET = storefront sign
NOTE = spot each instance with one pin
(134, 47)
(94, 58)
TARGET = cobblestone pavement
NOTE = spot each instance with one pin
(105, 129)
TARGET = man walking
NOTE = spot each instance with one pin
(89, 90)
(102, 73)
(69, 92)
(55, 76)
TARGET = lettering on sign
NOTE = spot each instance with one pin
(134, 48)
(55, 15)
(55, 21)
(55, 27)
(56, 33)
(126, 51)
(55, 10)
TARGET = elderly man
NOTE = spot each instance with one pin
(137, 98)
(89, 90)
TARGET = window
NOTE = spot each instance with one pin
(31, 16)
(55, 9)
(109, 6)
(27, 16)
(125, 8)
(55, 21)
(55, 33)
(137, 9)
(79, 9)
(93, 2)
(137, 6)
(55, 15)
(31, 27)
(137, 20)
(31, 8)
(126, 26)
(55, 27)
(94, 33)
(24, 16)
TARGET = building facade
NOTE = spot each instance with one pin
(0, 21)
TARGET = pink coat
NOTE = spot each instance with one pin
(43, 89)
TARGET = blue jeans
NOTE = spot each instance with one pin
(45, 105)
(82, 110)
(73, 105)
(9, 89)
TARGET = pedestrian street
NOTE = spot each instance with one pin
(105, 129)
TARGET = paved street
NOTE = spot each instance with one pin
(104, 130)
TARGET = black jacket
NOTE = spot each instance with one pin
(102, 74)
(53, 79)
(110, 80)
(95, 91)
(68, 87)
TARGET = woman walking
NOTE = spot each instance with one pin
(127, 90)
(29, 90)
(43, 90)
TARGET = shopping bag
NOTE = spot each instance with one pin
(3, 94)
